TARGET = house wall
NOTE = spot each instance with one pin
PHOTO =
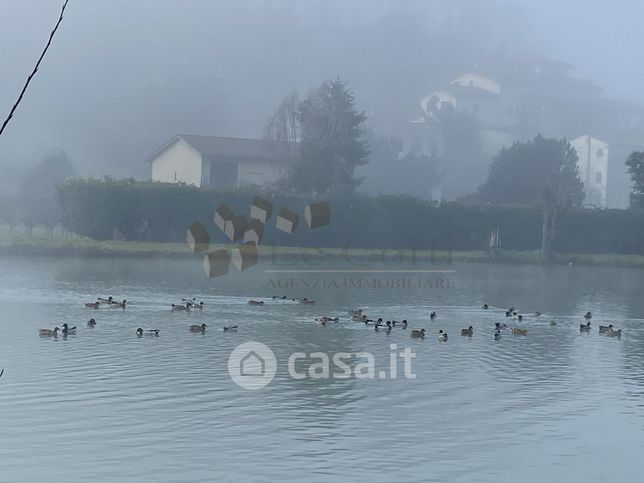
(593, 168)
(179, 163)
(258, 172)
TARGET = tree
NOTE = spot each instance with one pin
(540, 171)
(635, 168)
(391, 170)
(284, 126)
(331, 144)
(41, 180)
(520, 174)
(457, 137)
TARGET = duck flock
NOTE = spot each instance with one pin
(512, 313)
(356, 315)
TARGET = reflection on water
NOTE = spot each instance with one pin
(103, 404)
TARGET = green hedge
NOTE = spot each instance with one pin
(151, 211)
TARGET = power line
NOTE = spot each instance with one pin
(33, 72)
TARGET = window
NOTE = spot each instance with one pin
(598, 178)
(600, 153)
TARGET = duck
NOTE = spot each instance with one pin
(91, 323)
(180, 308)
(486, 306)
(192, 301)
(255, 302)
(403, 323)
(324, 319)
(355, 312)
(497, 335)
(614, 333)
(584, 327)
(498, 326)
(67, 330)
(279, 297)
(198, 306)
(151, 332)
(48, 332)
(537, 314)
(418, 334)
(552, 323)
(605, 328)
(468, 332)
(121, 304)
(358, 318)
(519, 331)
(442, 336)
(386, 326)
(508, 313)
(304, 301)
(432, 316)
(231, 328)
(198, 328)
(588, 316)
(93, 305)
(108, 300)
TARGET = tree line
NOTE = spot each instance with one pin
(331, 142)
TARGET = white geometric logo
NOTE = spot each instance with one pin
(252, 365)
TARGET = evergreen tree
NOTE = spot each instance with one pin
(41, 180)
(635, 168)
(331, 141)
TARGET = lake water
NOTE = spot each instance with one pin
(105, 405)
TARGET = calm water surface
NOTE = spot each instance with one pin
(105, 405)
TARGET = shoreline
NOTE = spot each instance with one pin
(81, 247)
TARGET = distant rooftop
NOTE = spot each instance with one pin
(230, 147)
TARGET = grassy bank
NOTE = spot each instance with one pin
(20, 243)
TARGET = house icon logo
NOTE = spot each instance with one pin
(252, 365)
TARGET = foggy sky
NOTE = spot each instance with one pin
(123, 76)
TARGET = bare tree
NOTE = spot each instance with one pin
(283, 126)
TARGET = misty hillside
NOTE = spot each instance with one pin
(127, 76)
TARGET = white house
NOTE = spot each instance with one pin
(219, 162)
(477, 81)
(593, 168)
